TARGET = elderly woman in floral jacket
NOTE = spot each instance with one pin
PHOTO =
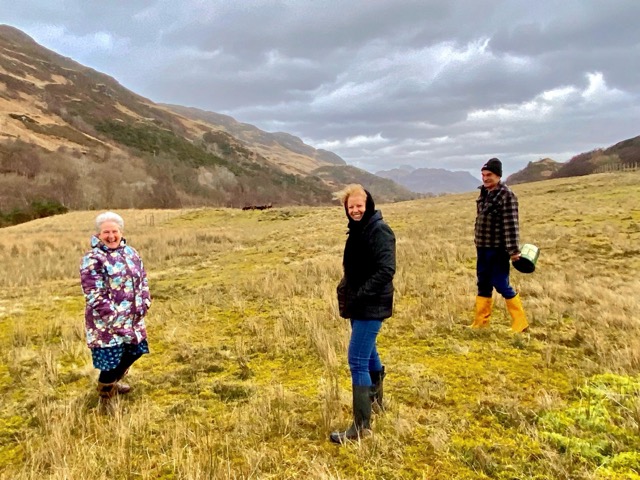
(117, 297)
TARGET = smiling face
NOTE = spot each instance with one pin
(110, 234)
(490, 180)
(356, 206)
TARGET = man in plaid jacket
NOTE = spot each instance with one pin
(497, 240)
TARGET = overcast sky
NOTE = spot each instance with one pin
(382, 83)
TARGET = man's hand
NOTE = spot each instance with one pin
(515, 256)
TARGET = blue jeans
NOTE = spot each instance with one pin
(363, 355)
(492, 270)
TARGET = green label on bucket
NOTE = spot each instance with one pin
(530, 252)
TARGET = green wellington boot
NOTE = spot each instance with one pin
(377, 390)
(361, 426)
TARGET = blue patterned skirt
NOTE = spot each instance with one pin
(109, 358)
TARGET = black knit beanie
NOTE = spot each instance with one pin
(493, 165)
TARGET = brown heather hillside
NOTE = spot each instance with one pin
(621, 156)
(543, 169)
(248, 373)
(292, 155)
(72, 135)
(623, 153)
(282, 149)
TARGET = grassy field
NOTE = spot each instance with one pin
(248, 372)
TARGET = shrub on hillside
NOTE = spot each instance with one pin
(155, 140)
(37, 209)
(20, 158)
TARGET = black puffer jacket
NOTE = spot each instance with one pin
(366, 290)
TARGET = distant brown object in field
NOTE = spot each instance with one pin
(257, 207)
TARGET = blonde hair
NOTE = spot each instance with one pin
(352, 189)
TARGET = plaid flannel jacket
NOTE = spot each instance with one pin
(497, 219)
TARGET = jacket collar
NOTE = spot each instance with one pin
(97, 243)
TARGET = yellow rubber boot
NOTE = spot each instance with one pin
(483, 312)
(519, 323)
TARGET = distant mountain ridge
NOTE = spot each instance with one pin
(431, 180)
(624, 153)
(72, 135)
(258, 139)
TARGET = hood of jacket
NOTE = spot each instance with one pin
(370, 210)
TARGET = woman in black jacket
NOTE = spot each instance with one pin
(365, 296)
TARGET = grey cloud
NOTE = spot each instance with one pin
(384, 82)
(573, 26)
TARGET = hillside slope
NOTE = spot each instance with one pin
(543, 169)
(282, 149)
(624, 154)
(73, 135)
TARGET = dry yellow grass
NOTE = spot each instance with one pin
(248, 373)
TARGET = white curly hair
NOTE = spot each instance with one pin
(109, 217)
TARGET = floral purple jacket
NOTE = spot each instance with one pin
(117, 297)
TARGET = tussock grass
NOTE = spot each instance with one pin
(248, 371)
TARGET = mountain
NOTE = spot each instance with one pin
(624, 154)
(76, 137)
(292, 155)
(431, 180)
(535, 171)
(282, 149)
(342, 175)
